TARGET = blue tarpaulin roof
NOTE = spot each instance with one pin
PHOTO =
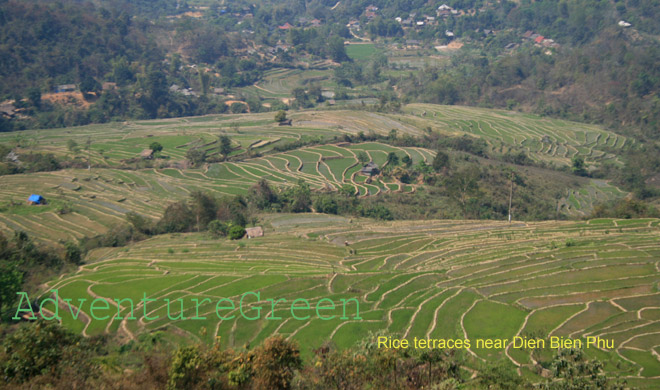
(35, 198)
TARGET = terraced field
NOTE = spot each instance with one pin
(100, 197)
(543, 139)
(278, 83)
(439, 279)
(578, 203)
(549, 140)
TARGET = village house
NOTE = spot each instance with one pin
(444, 11)
(254, 232)
(65, 88)
(7, 110)
(370, 169)
(354, 24)
(412, 44)
(147, 154)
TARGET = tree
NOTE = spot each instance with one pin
(89, 84)
(204, 208)
(316, 93)
(501, 375)
(155, 92)
(392, 159)
(156, 147)
(336, 50)
(262, 195)
(121, 72)
(325, 204)
(34, 96)
(236, 232)
(572, 370)
(11, 280)
(280, 116)
(176, 218)
(578, 166)
(440, 161)
(238, 108)
(225, 145)
(72, 145)
(196, 156)
(73, 253)
(299, 197)
(42, 349)
(393, 134)
(185, 369)
(275, 363)
(463, 187)
(141, 224)
(205, 82)
(218, 228)
(362, 157)
(301, 98)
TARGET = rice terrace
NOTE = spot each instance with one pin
(425, 279)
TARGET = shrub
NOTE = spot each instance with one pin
(236, 232)
(73, 253)
(280, 116)
(325, 204)
(177, 218)
(218, 228)
(156, 147)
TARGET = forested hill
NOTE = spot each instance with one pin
(50, 43)
(595, 70)
(613, 79)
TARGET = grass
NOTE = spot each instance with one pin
(360, 52)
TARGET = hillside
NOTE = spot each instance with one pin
(438, 279)
(119, 182)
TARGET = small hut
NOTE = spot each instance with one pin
(254, 232)
(147, 154)
(34, 200)
(370, 169)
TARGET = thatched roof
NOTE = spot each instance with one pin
(254, 232)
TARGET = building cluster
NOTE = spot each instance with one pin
(539, 40)
(417, 21)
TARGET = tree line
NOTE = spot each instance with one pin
(65, 360)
